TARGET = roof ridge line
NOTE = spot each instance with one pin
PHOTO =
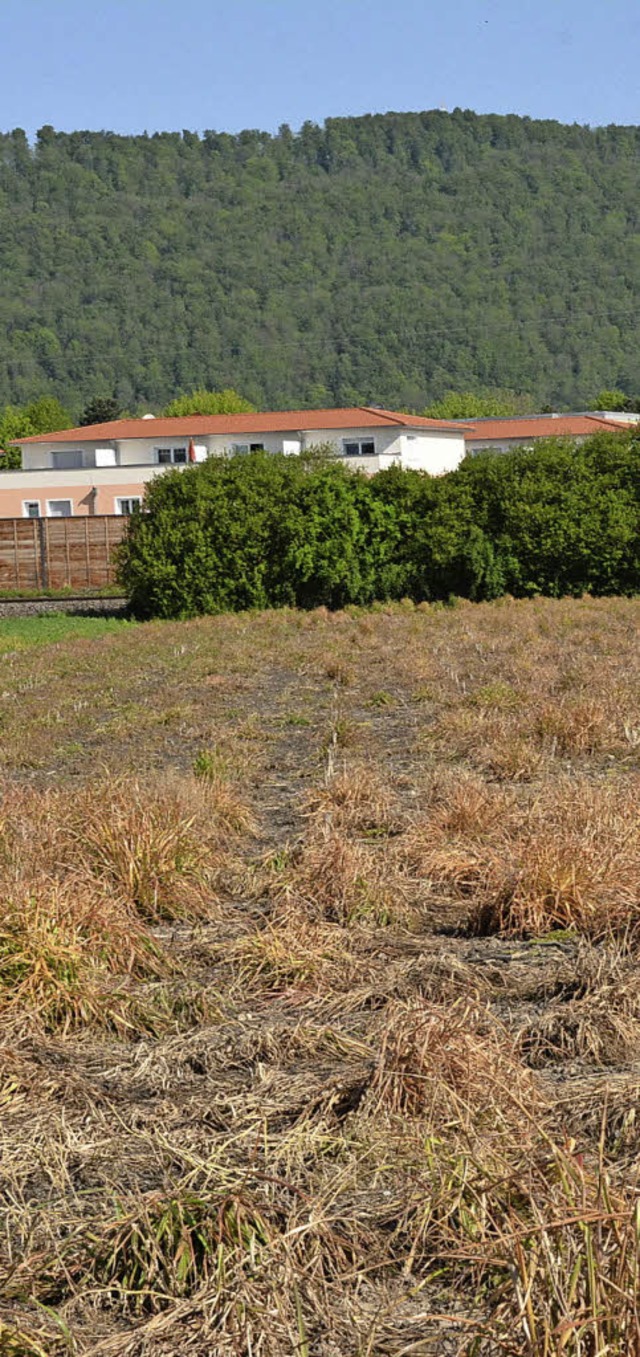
(380, 410)
(619, 423)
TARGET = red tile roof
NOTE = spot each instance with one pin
(539, 426)
(271, 421)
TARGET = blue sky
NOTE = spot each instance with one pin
(135, 65)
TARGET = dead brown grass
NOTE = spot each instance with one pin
(568, 858)
(293, 952)
(58, 950)
(83, 875)
(355, 800)
(318, 986)
(452, 1064)
(597, 1021)
(343, 880)
(162, 846)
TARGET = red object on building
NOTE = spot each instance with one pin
(192, 451)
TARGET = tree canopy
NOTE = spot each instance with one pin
(209, 403)
(100, 410)
(615, 400)
(40, 416)
(479, 405)
(382, 259)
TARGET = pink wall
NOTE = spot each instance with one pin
(83, 500)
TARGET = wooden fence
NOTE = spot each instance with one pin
(49, 553)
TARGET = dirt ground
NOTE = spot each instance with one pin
(322, 1034)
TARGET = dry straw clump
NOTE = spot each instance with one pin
(568, 858)
(172, 1247)
(477, 1185)
(452, 1064)
(226, 1245)
(159, 845)
(356, 800)
(31, 1340)
(571, 1252)
(67, 953)
(574, 864)
(597, 1017)
(162, 846)
(83, 874)
(294, 953)
(577, 725)
(343, 880)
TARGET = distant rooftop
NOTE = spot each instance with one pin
(541, 426)
(267, 421)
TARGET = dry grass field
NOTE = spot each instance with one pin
(319, 1000)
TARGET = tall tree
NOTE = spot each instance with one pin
(202, 402)
(45, 415)
(479, 405)
(100, 410)
(613, 400)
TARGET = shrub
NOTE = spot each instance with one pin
(270, 531)
(255, 532)
(562, 519)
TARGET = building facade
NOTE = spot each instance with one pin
(523, 431)
(104, 468)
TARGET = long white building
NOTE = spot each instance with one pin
(103, 468)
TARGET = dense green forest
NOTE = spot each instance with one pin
(379, 259)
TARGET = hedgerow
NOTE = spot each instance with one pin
(266, 531)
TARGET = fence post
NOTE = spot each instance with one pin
(67, 551)
(16, 558)
(43, 552)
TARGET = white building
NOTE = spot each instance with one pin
(523, 431)
(103, 468)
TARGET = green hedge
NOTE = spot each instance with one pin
(266, 531)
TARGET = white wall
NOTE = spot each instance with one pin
(433, 452)
(219, 444)
(506, 444)
(383, 438)
(497, 444)
(422, 451)
(41, 454)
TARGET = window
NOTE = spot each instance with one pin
(128, 506)
(67, 461)
(358, 447)
(31, 508)
(171, 456)
(239, 449)
(59, 508)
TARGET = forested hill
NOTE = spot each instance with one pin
(375, 259)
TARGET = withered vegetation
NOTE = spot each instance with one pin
(319, 986)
